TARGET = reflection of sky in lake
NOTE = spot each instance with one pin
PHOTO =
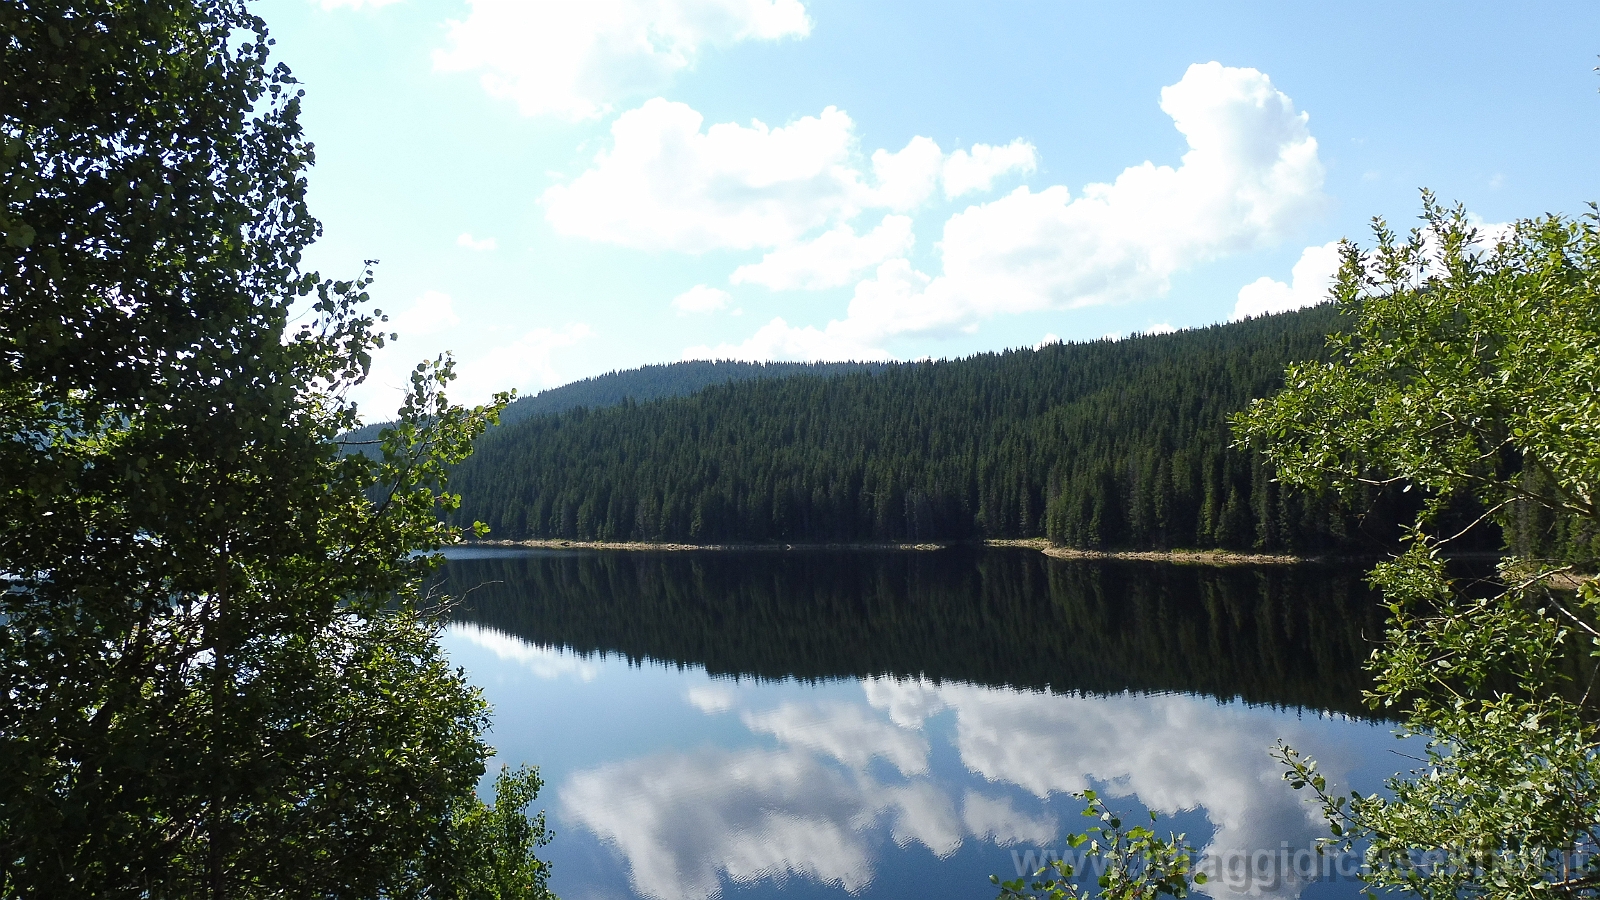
(665, 782)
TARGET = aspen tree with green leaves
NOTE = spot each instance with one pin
(217, 674)
(1472, 373)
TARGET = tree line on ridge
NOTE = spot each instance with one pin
(1105, 444)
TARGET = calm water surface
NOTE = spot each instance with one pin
(794, 724)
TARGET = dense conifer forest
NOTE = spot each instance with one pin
(644, 383)
(1111, 443)
(663, 380)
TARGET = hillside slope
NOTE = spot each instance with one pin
(664, 380)
(1102, 444)
(645, 383)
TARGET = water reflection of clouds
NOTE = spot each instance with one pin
(814, 807)
(544, 662)
(848, 732)
(996, 819)
(712, 698)
(684, 819)
(1171, 753)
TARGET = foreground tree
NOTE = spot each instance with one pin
(217, 677)
(1472, 374)
(1134, 863)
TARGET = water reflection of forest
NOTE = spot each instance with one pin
(1288, 636)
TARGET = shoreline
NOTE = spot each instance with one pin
(646, 546)
(1179, 557)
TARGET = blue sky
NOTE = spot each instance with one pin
(559, 189)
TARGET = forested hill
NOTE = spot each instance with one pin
(663, 380)
(1102, 444)
(645, 383)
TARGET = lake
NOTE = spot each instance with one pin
(889, 724)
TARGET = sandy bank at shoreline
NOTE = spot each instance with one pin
(1184, 557)
(724, 548)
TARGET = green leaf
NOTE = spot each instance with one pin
(20, 235)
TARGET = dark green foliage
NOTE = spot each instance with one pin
(667, 380)
(215, 682)
(1470, 371)
(642, 384)
(1289, 636)
(495, 843)
(1106, 444)
(1137, 863)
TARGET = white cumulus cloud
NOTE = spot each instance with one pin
(701, 299)
(666, 185)
(967, 172)
(527, 362)
(778, 340)
(1314, 273)
(907, 177)
(832, 259)
(355, 4)
(1250, 177)
(471, 243)
(1309, 283)
(669, 182)
(575, 59)
(432, 312)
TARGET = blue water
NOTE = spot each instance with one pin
(666, 781)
